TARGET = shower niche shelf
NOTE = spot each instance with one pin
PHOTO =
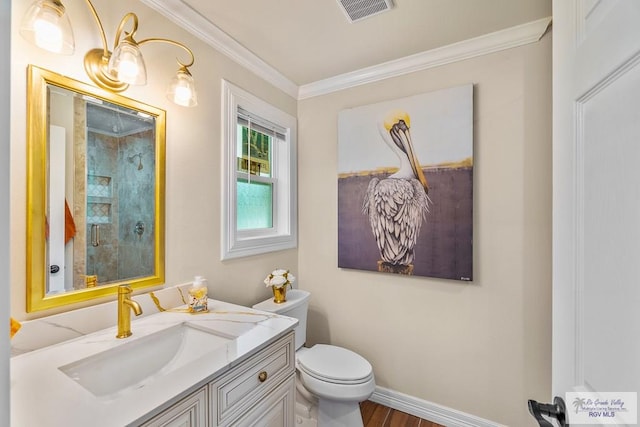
(98, 213)
(99, 199)
(99, 186)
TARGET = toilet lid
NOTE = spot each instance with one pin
(334, 364)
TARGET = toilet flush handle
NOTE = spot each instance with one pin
(262, 376)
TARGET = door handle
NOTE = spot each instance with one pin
(557, 410)
(95, 235)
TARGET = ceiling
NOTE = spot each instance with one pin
(110, 119)
(311, 40)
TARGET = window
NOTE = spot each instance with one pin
(259, 178)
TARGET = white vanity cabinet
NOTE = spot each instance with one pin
(189, 412)
(259, 391)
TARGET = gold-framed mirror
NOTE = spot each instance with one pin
(95, 191)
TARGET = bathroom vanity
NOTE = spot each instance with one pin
(233, 366)
(261, 390)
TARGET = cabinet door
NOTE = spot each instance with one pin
(189, 412)
(276, 409)
(235, 392)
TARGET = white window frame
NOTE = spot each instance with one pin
(283, 234)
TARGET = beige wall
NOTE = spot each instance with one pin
(193, 149)
(483, 347)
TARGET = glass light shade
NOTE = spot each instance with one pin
(182, 89)
(47, 26)
(127, 64)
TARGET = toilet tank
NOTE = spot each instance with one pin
(296, 306)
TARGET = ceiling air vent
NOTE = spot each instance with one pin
(360, 9)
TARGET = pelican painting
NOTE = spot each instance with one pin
(405, 185)
(397, 205)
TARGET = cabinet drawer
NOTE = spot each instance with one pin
(275, 410)
(189, 412)
(240, 388)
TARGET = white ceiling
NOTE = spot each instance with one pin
(310, 40)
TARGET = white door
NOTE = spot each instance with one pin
(596, 197)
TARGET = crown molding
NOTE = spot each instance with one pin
(191, 20)
(489, 43)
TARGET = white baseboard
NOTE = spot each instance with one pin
(428, 410)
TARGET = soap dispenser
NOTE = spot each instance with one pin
(198, 295)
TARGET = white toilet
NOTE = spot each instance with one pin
(331, 381)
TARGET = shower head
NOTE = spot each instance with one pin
(132, 158)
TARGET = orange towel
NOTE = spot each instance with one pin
(14, 326)
(69, 224)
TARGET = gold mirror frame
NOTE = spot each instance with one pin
(37, 125)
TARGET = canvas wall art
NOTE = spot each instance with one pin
(405, 185)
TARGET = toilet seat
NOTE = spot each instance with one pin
(335, 365)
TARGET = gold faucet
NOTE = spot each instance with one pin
(125, 305)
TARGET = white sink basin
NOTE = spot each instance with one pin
(137, 363)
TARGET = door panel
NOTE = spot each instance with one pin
(608, 142)
(596, 195)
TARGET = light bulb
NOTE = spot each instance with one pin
(48, 35)
(182, 95)
(128, 69)
(181, 90)
(127, 64)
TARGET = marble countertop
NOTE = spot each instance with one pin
(42, 395)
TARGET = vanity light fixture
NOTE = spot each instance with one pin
(46, 24)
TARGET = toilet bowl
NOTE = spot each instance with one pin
(331, 381)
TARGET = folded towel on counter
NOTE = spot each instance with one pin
(14, 326)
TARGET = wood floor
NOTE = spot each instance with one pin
(375, 415)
